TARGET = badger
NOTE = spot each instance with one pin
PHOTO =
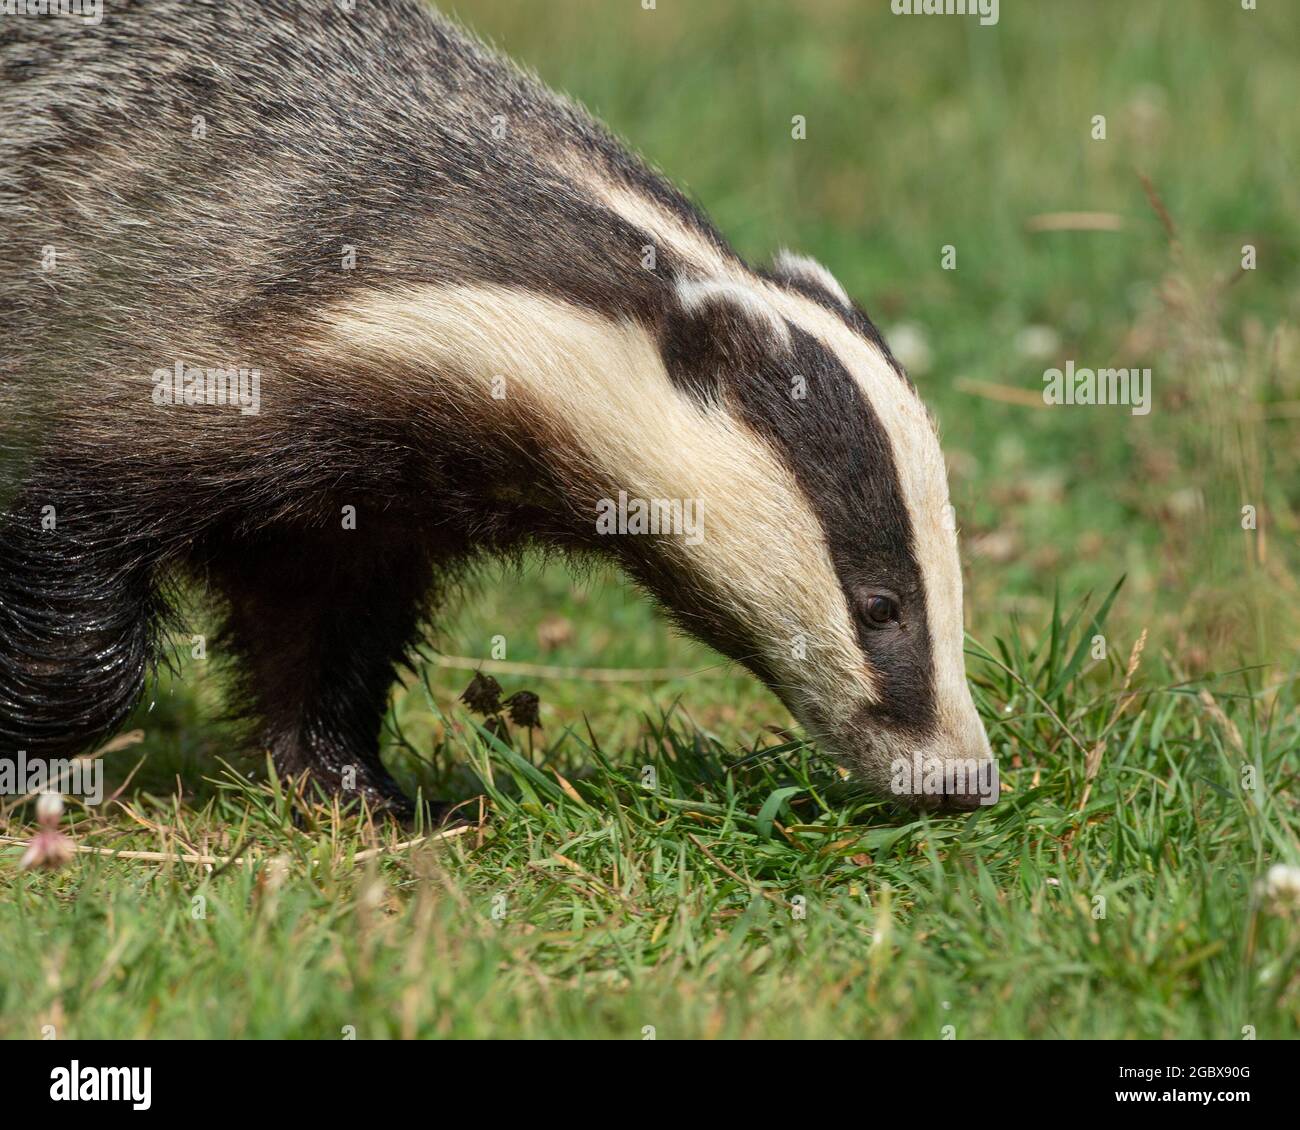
(315, 306)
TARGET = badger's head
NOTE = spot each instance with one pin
(824, 554)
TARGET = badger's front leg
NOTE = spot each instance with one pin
(315, 631)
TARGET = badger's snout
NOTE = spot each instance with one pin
(949, 775)
(933, 781)
(965, 790)
(945, 767)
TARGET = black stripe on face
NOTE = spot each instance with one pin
(836, 447)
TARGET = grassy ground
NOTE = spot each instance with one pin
(1113, 892)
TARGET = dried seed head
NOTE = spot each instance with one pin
(524, 709)
(483, 695)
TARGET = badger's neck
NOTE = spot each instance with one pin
(587, 401)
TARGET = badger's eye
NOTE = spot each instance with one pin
(879, 609)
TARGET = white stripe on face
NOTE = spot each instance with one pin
(766, 323)
(923, 480)
(763, 554)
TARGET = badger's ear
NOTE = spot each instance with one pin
(718, 326)
(809, 276)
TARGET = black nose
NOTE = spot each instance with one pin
(964, 792)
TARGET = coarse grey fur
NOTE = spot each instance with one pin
(182, 182)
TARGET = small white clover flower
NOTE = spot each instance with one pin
(49, 809)
(1038, 343)
(1280, 888)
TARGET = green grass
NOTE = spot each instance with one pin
(753, 892)
(737, 897)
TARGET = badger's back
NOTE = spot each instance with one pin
(199, 170)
